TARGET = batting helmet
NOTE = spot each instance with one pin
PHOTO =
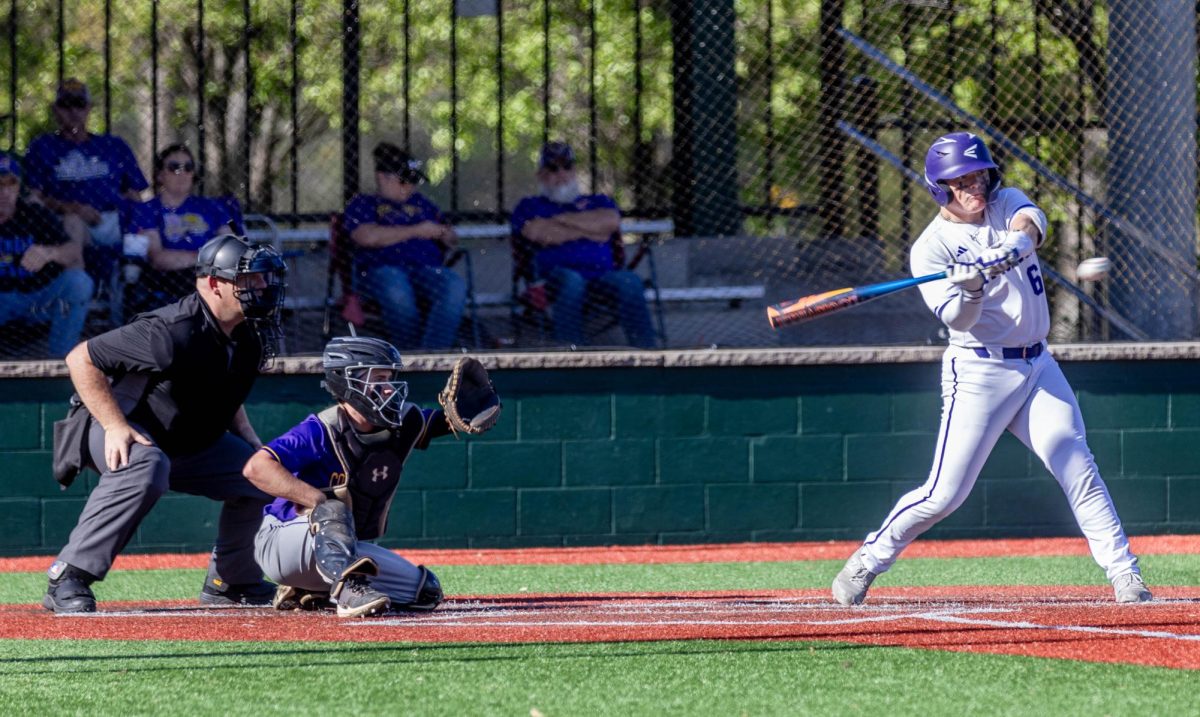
(347, 362)
(953, 155)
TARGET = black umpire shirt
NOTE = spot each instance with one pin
(198, 377)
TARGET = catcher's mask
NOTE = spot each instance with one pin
(362, 372)
(259, 276)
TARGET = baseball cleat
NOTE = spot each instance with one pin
(69, 594)
(357, 598)
(218, 593)
(1131, 588)
(290, 598)
(851, 584)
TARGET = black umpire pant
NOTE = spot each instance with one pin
(123, 497)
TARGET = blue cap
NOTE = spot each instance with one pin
(9, 165)
(73, 91)
(556, 155)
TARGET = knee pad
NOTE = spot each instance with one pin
(429, 592)
(334, 544)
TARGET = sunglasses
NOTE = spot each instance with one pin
(180, 167)
(73, 103)
(558, 166)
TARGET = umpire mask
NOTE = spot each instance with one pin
(259, 276)
(362, 372)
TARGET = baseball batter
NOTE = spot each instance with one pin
(334, 476)
(997, 374)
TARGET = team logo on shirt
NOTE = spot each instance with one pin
(77, 168)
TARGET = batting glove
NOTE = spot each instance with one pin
(995, 262)
(968, 278)
(1015, 246)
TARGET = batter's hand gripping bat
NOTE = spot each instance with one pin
(814, 305)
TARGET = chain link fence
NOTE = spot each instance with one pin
(759, 150)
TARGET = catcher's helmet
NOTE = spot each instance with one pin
(954, 155)
(347, 362)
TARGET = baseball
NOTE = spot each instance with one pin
(1093, 269)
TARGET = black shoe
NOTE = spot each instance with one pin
(357, 598)
(222, 594)
(69, 594)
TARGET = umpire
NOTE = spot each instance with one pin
(165, 394)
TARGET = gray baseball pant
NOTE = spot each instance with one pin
(285, 552)
(123, 497)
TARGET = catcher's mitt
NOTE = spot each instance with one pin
(469, 399)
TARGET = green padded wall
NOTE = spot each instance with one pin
(681, 455)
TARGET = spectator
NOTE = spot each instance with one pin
(400, 237)
(41, 268)
(83, 177)
(571, 236)
(176, 223)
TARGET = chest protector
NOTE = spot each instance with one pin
(371, 465)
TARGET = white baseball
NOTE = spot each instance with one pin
(1093, 269)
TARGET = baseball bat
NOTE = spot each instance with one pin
(814, 305)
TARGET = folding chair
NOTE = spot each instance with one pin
(356, 309)
(530, 303)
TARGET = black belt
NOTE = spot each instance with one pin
(1019, 352)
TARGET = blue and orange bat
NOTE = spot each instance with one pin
(814, 305)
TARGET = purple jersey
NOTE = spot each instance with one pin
(184, 228)
(374, 209)
(589, 258)
(95, 172)
(307, 452)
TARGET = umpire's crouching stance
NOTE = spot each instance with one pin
(173, 418)
(336, 472)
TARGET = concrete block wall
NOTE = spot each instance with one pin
(596, 456)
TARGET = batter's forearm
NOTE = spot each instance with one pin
(961, 313)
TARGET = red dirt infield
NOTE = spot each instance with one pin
(655, 554)
(1068, 622)
(1080, 623)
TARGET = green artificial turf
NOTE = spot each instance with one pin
(508, 579)
(701, 677)
(648, 678)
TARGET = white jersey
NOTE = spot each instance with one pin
(1015, 312)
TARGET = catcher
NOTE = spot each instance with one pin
(334, 476)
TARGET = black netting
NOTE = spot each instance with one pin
(758, 150)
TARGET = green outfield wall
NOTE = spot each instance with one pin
(684, 447)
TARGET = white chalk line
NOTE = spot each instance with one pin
(952, 615)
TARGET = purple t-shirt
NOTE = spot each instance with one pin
(94, 172)
(589, 258)
(374, 209)
(306, 452)
(184, 228)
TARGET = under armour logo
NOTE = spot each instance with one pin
(378, 474)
